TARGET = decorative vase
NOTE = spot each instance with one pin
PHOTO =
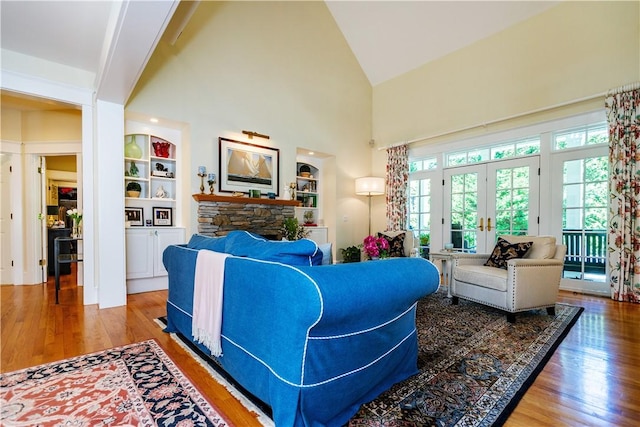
(131, 149)
(133, 193)
(161, 149)
(76, 230)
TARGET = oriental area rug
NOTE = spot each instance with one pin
(473, 365)
(133, 385)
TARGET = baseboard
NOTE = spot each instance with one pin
(136, 286)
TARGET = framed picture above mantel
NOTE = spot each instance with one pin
(245, 167)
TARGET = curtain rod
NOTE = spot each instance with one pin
(492, 122)
(625, 88)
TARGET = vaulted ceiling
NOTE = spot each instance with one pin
(388, 38)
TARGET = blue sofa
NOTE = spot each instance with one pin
(314, 342)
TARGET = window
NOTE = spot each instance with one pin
(420, 197)
(502, 150)
(420, 211)
(580, 137)
(430, 163)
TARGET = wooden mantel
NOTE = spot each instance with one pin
(203, 197)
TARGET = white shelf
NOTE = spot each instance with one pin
(148, 163)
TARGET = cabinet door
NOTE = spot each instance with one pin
(164, 238)
(139, 253)
(319, 235)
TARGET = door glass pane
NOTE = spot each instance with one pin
(464, 211)
(512, 200)
(584, 218)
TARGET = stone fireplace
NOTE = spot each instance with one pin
(218, 215)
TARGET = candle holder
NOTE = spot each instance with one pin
(202, 175)
(211, 182)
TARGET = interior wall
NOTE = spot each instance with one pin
(277, 68)
(58, 125)
(62, 163)
(10, 125)
(570, 52)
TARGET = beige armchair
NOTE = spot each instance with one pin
(528, 283)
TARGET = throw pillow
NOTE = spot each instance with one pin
(327, 257)
(504, 251)
(396, 244)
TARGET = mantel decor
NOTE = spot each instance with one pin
(245, 166)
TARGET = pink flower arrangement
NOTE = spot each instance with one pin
(376, 247)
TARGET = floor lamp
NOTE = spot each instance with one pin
(370, 186)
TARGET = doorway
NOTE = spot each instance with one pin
(582, 201)
(491, 199)
(39, 128)
(60, 187)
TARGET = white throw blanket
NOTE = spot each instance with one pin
(208, 292)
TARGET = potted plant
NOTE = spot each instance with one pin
(424, 245)
(351, 254)
(308, 217)
(133, 189)
(291, 230)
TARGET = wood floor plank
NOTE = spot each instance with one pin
(591, 379)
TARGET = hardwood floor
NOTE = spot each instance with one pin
(591, 379)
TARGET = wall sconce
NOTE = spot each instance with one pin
(251, 134)
(370, 186)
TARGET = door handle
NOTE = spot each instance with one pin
(481, 225)
(488, 224)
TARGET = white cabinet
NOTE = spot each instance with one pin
(145, 245)
(320, 235)
(140, 254)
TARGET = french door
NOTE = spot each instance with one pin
(486, 200)
(580, 207)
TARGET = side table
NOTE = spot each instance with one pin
(64, 258)
(446, 265)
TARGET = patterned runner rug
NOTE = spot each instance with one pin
(474, 365)
(133, 385)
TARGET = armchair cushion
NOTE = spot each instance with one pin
(504, 251)
(492, 278)
(544, 247)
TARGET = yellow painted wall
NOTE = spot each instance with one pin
(11, 125)
(62, 163)
(59, 125)
(278, 68)
(572, 51)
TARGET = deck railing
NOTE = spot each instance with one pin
(588, 248)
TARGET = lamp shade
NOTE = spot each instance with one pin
(53, 210)
(370, 186)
